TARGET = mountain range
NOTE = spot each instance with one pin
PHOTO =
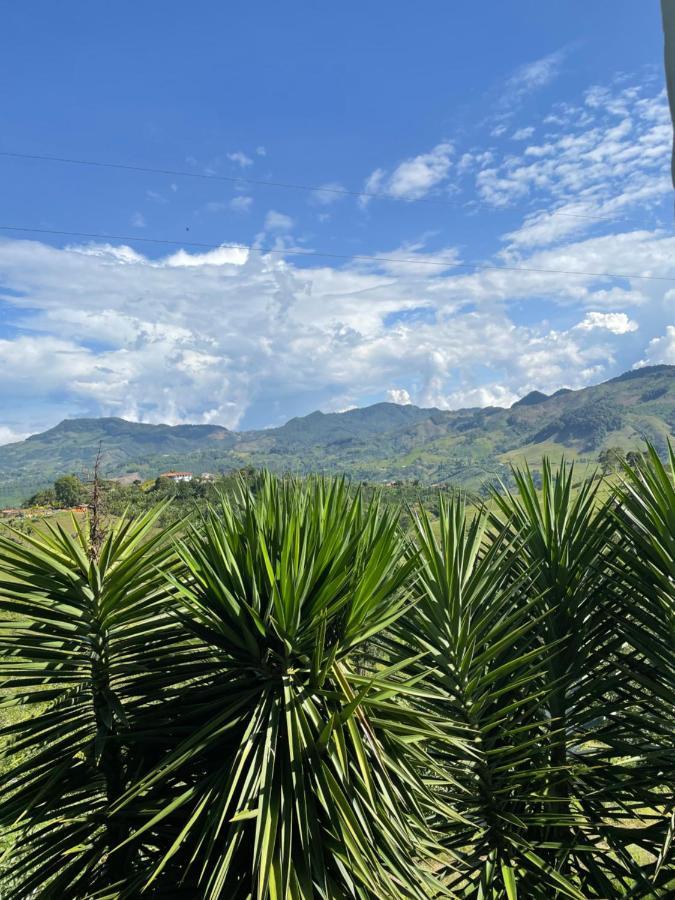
(382, 442)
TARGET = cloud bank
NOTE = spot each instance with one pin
(248, 339)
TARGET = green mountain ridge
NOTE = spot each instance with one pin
(382, 442)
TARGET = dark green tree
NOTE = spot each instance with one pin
(42, 498)
(69, 491)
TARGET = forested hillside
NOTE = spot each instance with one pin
(468, 447)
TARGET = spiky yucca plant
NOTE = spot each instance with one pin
(645, 567)
(286, 785)
(84, 648)
(524, 624)
(479, 622)
(567, 540)
(298, 702)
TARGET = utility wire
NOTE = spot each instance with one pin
(230, 179)
(478, 266)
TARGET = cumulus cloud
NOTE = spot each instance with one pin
(219, 256)
(493, 394)
(9, 436)
(238, 336)
(661, 350)
(413, 178)
(617, 323)
(226, 335)
(400, 396)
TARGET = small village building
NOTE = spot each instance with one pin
(177, 476)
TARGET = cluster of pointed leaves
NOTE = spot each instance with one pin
(287, 785)
(593, 743)
(479, 621)
(296, 701)
(85, 644)
(645, 566)
(547, 624)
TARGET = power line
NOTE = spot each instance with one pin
(479, 266)
(230, 179)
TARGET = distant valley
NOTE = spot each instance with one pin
(384, 442)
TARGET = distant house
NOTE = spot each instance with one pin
(177, 476)
(207, 476)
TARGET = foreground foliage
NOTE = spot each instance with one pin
(295, 699)
(84, 645)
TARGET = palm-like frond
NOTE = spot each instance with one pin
(478, 621)
(645, 567)
(84, 646)
(296, 701)
(567, 539)
(285, 787)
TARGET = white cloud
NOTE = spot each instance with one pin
(276, 221)
(593, 167)
(523, 134)
(494, 394)
(617, 323)
(411, 259)
(9, 436)
(544, 227)
(221, 256)
(372, 186)
(240, 158)
(413, 178)
(138, 220)
(661, 350)
(241, 203)
(227, 334)
(212, 336)
(261, 151)
(534, 75)
(399, 395)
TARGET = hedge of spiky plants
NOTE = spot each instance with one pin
(289, 697)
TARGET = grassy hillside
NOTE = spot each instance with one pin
(379, 443)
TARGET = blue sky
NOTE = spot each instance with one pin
(517, 134)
